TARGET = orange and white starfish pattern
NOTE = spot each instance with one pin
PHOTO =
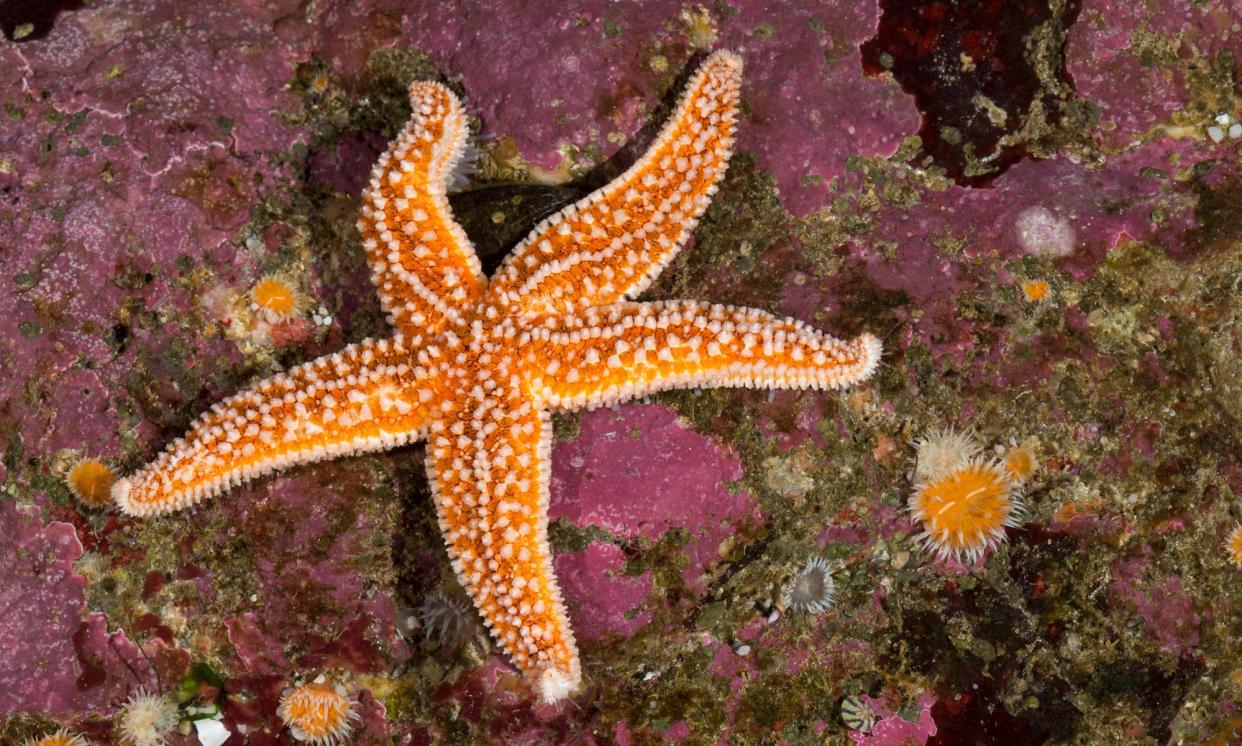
(475, 366)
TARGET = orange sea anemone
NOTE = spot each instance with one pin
(318, 712)
(61, 737)
(276, 299)
(1020, 461)
(90, 480)
(965, 510)
(1235, 545)
(1034, 290)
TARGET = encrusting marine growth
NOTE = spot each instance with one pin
(475, 365)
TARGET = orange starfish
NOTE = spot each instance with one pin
(475, 366)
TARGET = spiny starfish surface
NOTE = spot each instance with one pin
(475, 365)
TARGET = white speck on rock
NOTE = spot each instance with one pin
(1216, 133)
(211, 732)
(1045, 233)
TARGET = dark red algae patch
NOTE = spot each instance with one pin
(971, 68)
(979, 717)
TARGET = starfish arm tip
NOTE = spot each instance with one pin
(726, 57)
(873, 348)
(120, 496)
(555, 684)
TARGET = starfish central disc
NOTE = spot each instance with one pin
(476, 366)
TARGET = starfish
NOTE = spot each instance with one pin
(476, 366)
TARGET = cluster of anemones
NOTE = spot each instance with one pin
(963, 499)
(319, 712)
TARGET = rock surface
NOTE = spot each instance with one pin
(157, 158)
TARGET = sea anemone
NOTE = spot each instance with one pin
(318, 712)
(965, 511)
(444, 618)
(1034, 290)
(939, 452)
(857, 714)
(811, 589)
(1020, 461)
(61, 737)
(145, 719)
(1235, 545)
(90, 480)
(276, 298)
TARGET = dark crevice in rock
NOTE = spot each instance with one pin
(977, 69)
(27, 20)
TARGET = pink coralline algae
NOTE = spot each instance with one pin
(1123, 58)
(599, 595)
(56, 661)
(1163, 604)
(639, 471)
(891, 729)
(810, 103)
(317, 604)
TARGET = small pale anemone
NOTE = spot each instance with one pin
(1235, 545)
(276, 299)
(1034, 290)
(941, 451)
(965, 512)
(811, 589)
(1020, 462)
(145, 719)
(465, 166)
(444, 618)
(90, 480)
(318, 712)
(61, 737)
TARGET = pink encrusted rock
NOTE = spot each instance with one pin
(891, 729)
(56, 662)
(637, 470)
(1162, 603)
(135, 134)
(598, 594)
(1135, 89)
(810, 104)
(318, 607)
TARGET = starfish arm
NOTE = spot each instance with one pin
(615, 241)
(370, 396)
(422, 262)
(628, 350)
(489, 475)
